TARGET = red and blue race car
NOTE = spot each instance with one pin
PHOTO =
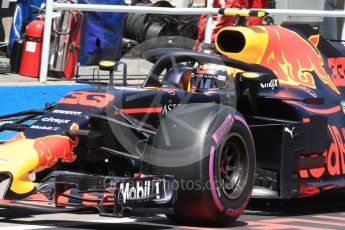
(202, 134)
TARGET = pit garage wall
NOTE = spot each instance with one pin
(16, 98)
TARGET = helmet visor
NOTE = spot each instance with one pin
(207, 83)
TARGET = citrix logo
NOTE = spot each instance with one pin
(55, 120)
(272, 84)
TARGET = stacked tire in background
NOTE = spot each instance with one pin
(157, 31)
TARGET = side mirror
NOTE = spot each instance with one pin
(112, 66)
(253, 81)
(258, 77)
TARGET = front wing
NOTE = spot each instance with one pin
(64, 191)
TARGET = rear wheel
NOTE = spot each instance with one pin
(210, 152)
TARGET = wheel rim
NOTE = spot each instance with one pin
(233, 166)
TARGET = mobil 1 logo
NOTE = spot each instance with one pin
(143, 190)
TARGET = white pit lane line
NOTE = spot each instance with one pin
(55, 222)
(114, 220)
(26, 227)
(67, 225)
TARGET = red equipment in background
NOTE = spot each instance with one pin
(31, 54)
(73, 48)
(65, 46)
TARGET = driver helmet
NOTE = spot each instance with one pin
(208, 78)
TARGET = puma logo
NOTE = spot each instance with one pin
(289, 131)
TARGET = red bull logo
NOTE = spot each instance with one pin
(294, 60)
(21, 156)
(52, 148)
(337, 65)
(334, 157)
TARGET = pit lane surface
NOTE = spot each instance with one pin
(322, 212)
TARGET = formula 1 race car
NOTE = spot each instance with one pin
(197, 139)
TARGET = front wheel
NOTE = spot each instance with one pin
(231, 167)
(211, 154)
